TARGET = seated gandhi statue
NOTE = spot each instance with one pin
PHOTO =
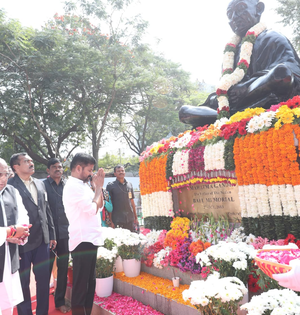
(260, 68)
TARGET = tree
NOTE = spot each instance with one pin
(290, 13)
(161, 87)
(38, 99)
(109, 161)
(66, 79)
(111, 90)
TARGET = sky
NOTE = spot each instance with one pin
(192, 33)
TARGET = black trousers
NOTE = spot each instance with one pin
(62, 251)
(84, 282)
(39, 258)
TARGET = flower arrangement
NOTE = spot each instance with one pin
(291, 239)
(216, 296)
(274, 302)
(211, 230)
(105, 262)
(132, 246)
(259, 242)
(248, 154)
(179, 231)
(230, 259)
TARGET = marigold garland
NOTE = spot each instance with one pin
(153, 175)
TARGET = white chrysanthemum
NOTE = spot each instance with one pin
(226, 289)
(223, 102)
(220, 122)
(275, 302)
(228, 60)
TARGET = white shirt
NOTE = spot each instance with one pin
(10, 288)
(81, 211)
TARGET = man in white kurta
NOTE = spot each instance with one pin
(82, 206)
(10, 287)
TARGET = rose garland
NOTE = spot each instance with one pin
(230, 77)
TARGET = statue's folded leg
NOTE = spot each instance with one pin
(197, 115)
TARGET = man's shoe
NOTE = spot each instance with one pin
(64, 309)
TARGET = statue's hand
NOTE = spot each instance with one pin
(237, 93)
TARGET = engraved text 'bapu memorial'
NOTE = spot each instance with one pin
(217, 199)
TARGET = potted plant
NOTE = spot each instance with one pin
(104, 271)
(216, 296)
(110, 244)
(131, 251)
(274, 302)
(230, 259)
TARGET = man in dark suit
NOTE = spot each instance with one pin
(54, 185)
(42, 234)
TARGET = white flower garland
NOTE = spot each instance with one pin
(297, 197)
(214, 156)
(157, 204)
(180, 164)
(275, 203)
(231, 77)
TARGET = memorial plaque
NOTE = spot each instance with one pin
(218, 199)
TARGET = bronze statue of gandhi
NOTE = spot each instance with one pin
(273, 73)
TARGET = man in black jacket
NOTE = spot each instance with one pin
(54, 185)
(42, 234)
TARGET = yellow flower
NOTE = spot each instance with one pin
(278, 124)
(247, 113)
(155, 149)
(287, 118)
(296, 111)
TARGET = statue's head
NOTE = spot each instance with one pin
(243, 14)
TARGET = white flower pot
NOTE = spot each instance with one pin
(119, 264)
(104, 286)
(132, 267)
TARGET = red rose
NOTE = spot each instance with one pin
(221, 92)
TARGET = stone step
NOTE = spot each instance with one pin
(170, 272)
(157, 301)
(101, 306)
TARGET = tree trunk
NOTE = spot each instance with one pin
(95, 147)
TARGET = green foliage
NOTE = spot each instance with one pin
(217, 307)
(290, 13)
(104, 267)
(158, 223)
(160, 88)
(62, 86)
(228, 155)
(131, 251)
(109, 244)
(266, 283)
(109, 161)
(218, 229)
(169, 170)
(196, 97)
